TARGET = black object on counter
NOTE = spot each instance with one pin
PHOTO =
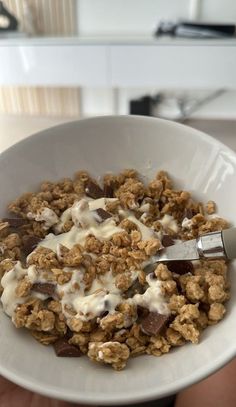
(144, 106)
(189, 29)
(12, 23)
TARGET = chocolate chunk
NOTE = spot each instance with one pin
(93, 190)
(44, 288)
(152, 276)
(30, 243)
(64, 349)
(103, 214)
(135, 288)
(142, 312)
(110, 189)
(180, 266)
(15, 222)
(106, 309)
(153, 323)
(188, 213)
(103, 314)
(68, 334)
(167, 241)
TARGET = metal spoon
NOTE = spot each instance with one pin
(214, 245)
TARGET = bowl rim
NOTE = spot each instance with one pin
(204, 136)
(140, 395)
(137, 397)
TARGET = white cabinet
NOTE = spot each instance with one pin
(173, 66)
(53, 65)
(168, 63)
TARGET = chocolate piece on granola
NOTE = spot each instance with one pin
(15, 222)
(188, 213)
(142, 312)
(180, 267)
(135, 288)
(30, 243)
(153, 323)
(93, 190)
(103, 314)
(44, 288)
(110, 188)
(103, 215)
(108, 191)
(64, 349)
(167, 241)
(152, 276)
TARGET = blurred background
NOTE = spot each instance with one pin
(68, 59)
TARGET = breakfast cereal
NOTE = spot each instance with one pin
(75, 267)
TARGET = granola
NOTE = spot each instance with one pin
(73, 267)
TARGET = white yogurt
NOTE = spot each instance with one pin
(85, 223)
(153, 299)
(103, 294)
(168, 222)
(48, 216)
(186, 223)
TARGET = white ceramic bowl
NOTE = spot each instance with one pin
(199, 164)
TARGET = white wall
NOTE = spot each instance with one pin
(221, 10)
(128, 17)
(97, 101)
(140, 17)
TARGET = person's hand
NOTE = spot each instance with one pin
(12, 395)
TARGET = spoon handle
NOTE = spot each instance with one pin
(229, 241)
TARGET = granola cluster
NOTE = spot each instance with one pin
(75, 267)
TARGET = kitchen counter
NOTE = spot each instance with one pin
(16, 128)
(23, 40)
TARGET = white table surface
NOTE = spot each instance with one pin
(16, 128)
